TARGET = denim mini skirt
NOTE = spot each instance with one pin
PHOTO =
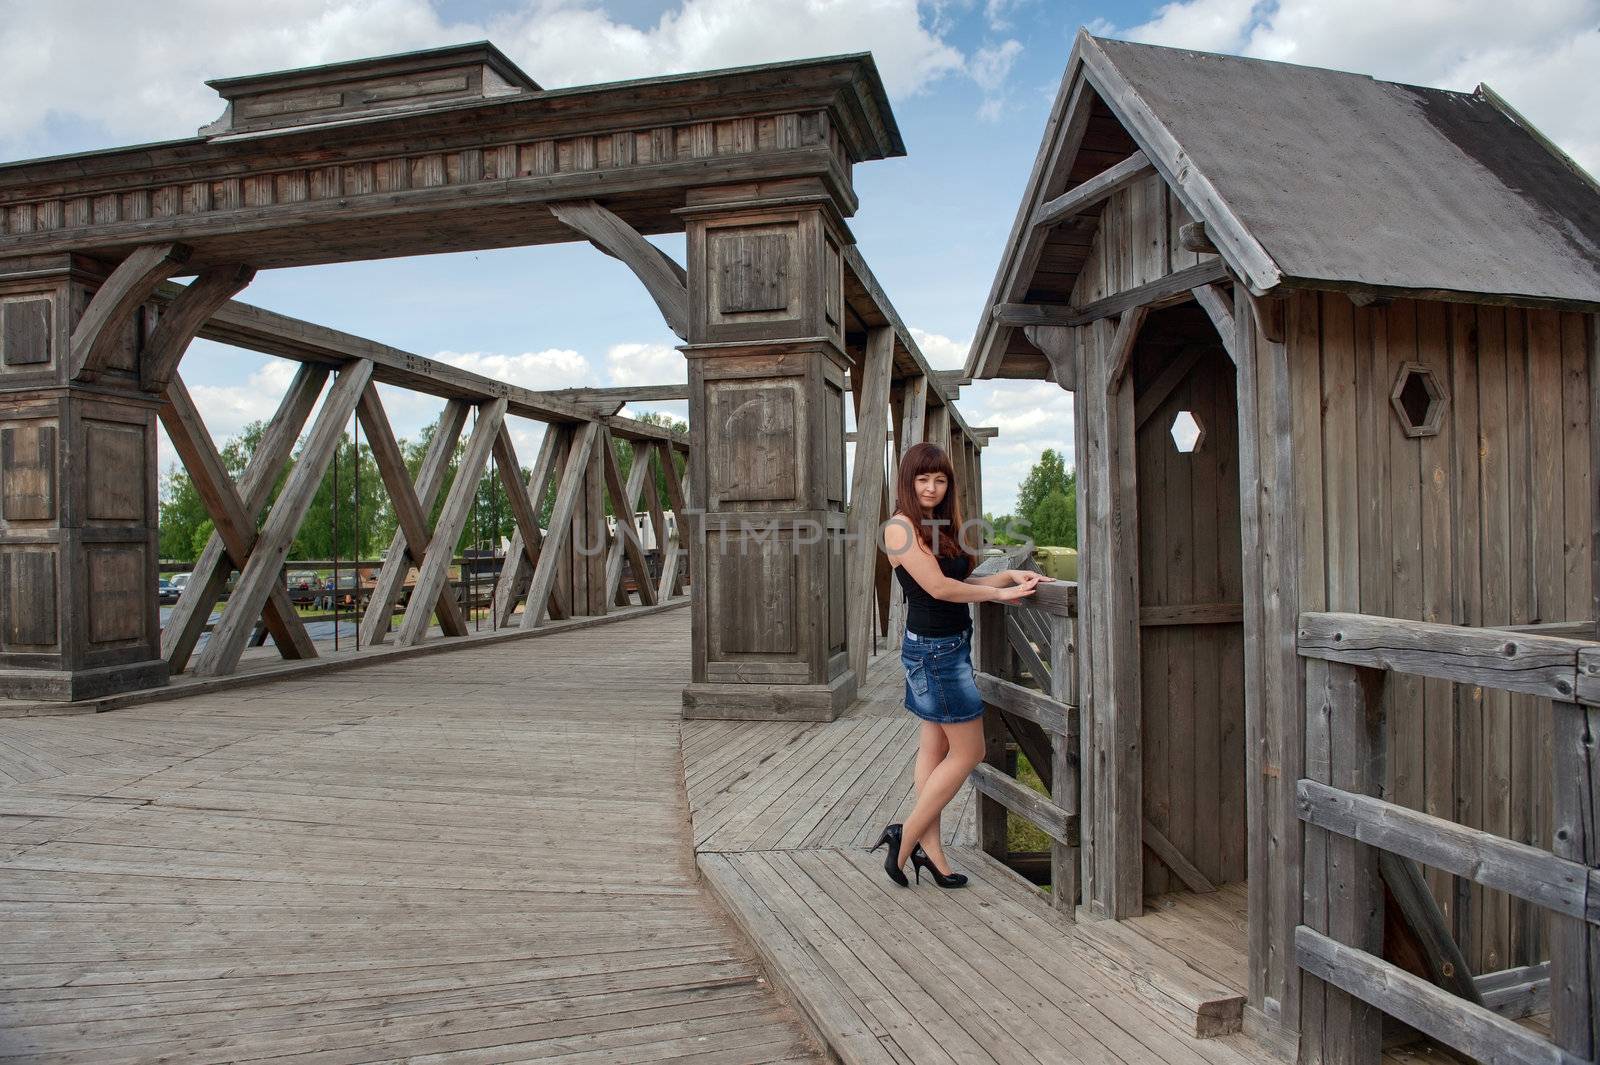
(939, 684)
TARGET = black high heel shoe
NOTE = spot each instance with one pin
(921, 861)
(891, 836)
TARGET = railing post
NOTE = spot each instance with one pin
(1064, 760)
(994, 653)
(1575, 943)
(1343, 896)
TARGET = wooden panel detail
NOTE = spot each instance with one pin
(28, 471)
(116, 576)
(752, 437)
(755, 596)
(114, 466)
(28, 598)
(754, 273)
(25, 330)
(833, 444)
(837, 605)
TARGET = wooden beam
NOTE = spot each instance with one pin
(1060, 347)
(263, 571)
(1172, 375)
(1575, 837)
(647, 454)
(571, 486)
(187, 431)
(1193, 237)
(1427, 924)
(104, 322)
(1476, 1031)
(866, 490)
(664, 279)
(1034, 314)
(183, 318)
(1052, 716)
(1546, 666)
(1120, 355)
(403, 553)
(624, 393)
(1173, 859)
(192, 613)
(624, 502)
(1023, 801)
(1219, 306)
(672, 564)
(527, 541)
(1081, 197)
(412, 536)
(433, 575)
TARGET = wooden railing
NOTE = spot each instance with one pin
(1357, 837)
(1026, 669)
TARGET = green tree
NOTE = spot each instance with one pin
(1055, 521)
(1050, 477)
(197, 540)
(181, 514)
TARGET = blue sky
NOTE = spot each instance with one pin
(971, 82)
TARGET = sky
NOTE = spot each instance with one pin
(970, 81)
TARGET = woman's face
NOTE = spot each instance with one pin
(931, 488)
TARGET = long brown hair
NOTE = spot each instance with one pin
(946, 516)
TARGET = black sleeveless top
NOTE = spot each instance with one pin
(927, 616)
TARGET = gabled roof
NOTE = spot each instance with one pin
(1314, 178)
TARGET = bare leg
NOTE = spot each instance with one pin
(931, 750)
(966, 751)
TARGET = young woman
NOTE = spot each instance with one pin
(928, 546)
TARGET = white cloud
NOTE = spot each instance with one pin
(646, 364)
(138, 68)
(227, 409)
(550, 368)
(991, 64)
(1540, 56)
(942, 352)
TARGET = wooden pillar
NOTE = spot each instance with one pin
(994, 658)
(1575, 943)
(866, 494)
(79, 615)
(766, 396)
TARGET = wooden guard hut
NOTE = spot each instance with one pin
(1333, 347)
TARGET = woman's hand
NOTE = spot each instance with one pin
(1020, 576)
(1015, 591)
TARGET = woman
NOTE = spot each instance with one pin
(926, 543)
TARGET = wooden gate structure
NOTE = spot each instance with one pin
(1334, 350)
(449, 150)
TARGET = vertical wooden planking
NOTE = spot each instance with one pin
(1231, 677)
(1207, 464)
(1086, 350)
(1122, 602)
(1407, 725)
(1182, 641)
(1157, 520)
(1462, 419)
(1576, 394)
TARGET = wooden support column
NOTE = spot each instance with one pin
(909, 430)
(192, 613)
(433, 575)
(412, 535)
(938, 428)
(767, 370)
(79, 540)
(994, 658)
(1342, 891)
(264, 570)
(866, 493)
(1574, 942)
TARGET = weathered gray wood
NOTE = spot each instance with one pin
(1575, 945)
(866, 494)
(1219, 307)
(434, 572)
(1193, 237)
(1054, 717)
(1058, 345)
(1034, 315)
(187, 431)
(1120, 354)
(1447, 966)
(412, 535)
(1471, 1029)
(1173, 859)
(401, 556)
(1516, 993)
(1081, 197)
(1162, 292)
(182, 319)
(192, 613)
(1023, 801)
(664, 279)
(669, 543)
(1518, 869)
(1538, 665)
(566, 501)
(262, 572)
(526, 545)
(104, 322)
(624, 501)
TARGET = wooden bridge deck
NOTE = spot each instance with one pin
(488, 855)
(479, 856)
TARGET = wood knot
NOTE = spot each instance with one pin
(1509, 650)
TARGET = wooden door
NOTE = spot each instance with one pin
(1191, 610)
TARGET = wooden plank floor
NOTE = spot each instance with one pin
(783, 814)
(475, 856)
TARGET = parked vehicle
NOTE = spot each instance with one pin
(180, 581)
(165, 592)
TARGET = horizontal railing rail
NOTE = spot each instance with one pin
(1340, 940)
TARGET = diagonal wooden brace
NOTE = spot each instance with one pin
(572, 474)
(192, 613)
(624, 501)
(100, 329)
(412, 536)
(526, 500)
(182, 319)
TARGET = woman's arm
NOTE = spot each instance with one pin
(900, 543)
(1007, 577)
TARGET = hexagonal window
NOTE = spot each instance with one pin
(1187, 432)
(1419, 400)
